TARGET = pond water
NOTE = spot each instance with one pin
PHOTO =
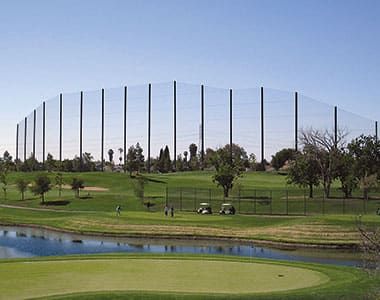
(18, 242)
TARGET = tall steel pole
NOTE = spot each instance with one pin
(231, 126)
(34, 133)
(202, 125)
(149, 123)
(125, 128)
(335, 126)
(175, 124)
(60, 128)
(25, 136)
(81, 131)
(296, 121)
(43, 132)
(17, 133)
(262, 123)
(102, 134)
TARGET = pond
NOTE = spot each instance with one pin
(18, 242)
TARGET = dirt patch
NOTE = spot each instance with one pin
(87, 188)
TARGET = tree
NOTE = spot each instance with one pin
(185, 161)
(120, 155)
(166, 159)
(225, 171)
(88, 162)
(76, 185)
(41, 186)
(110, 155)
(59, 182)
(50, 163)
(345, 172)
(321, 145)
(22, 186)
(193, 151)
(4, 181)
(281, 157)
(366, 183)
(30, 165)
(303, 171)
(208, 157)
(135, 159)
(366, 153)
(179, 163)
(7, 161)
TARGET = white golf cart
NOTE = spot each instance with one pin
(227, 209)
(204, 209)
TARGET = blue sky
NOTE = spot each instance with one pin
(328, 50)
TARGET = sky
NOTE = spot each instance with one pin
(328, 50)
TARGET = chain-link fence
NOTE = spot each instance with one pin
(272, 202)
(176, 115)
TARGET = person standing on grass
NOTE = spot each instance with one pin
(172, 211)
(118, 209)
(166, 210)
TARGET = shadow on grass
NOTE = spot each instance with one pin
(56, 203)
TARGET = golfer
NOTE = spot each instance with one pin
(118, 209)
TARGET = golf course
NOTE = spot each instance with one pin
(94, 211)
(170, 275)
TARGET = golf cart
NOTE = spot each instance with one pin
(227, 209)
(204, 209)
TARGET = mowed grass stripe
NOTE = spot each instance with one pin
(44, 278)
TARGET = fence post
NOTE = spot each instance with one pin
(287, 203)
(180, 198)
(195, 199)
(271, 208)
(304, 202)
(323, 203)
(344, 205)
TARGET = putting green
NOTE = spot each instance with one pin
(27, 279)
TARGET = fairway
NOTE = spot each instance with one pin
(43, 278)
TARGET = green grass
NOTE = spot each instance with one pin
(120, 276)
(96, 213)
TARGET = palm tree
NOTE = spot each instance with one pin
(110, 155)
(121, 156)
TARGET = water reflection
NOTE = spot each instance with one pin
(26, 242)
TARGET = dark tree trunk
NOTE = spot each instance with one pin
(310, 191)
(225, 191)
